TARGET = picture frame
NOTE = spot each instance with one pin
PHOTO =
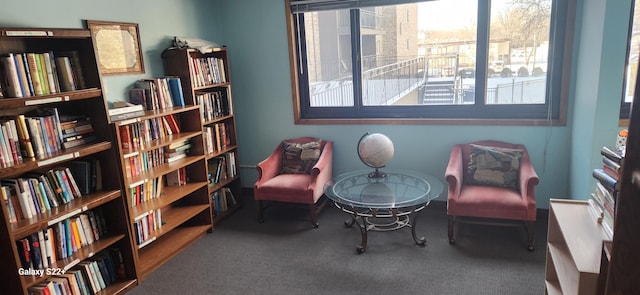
(117, 47)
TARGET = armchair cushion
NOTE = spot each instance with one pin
(494, 166)
(299, 158)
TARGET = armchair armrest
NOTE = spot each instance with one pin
(270, 167)
(528, 179)
(321, 172)
(453, 174)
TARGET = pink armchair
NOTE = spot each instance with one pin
(483, 200)
(304, 188)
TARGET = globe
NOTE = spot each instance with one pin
(375, 150)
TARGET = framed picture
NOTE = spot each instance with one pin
(117, 47)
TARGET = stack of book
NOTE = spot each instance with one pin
(603, 200)
(177, 150)
(123, 110)
(76, 131)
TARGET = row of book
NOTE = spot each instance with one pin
(145, 190)
(215, 104)
(31, 74)
(137, 163)
(39, 192)
(216, 137)
(40, 134)
(603, 200)
(207, 71)
(138, 135)
(85, 278)
(222, 167)
(146, 225)
(61, 240)
(157, 93)
(222, 200)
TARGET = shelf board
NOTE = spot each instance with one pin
(12, 103)
(217, 119)
(221, 152)
(552, 288)
(170, 195)
(222, 183)
(162, 250)
(164, 169)
(25, 227)
(119, 287)
(568, 275)
(173, 217)
(65, 155)
(224, 214)
(83, 253)
(150, 114)
(159, 143)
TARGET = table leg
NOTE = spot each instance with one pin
(363, 231)
(422, 240)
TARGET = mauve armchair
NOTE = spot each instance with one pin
(304, 188)
(482, 201)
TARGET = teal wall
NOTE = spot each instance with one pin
(599, 68)
(158, 21)
(255, 32)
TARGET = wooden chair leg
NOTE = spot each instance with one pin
(450, 226)
(314, 215)
(259, 208)
(530, 225)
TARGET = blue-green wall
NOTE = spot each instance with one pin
(255, 32)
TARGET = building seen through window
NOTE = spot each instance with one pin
(419, 58)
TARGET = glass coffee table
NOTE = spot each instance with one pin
(385, 203)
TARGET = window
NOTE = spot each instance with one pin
(417, 60)
(631, 69)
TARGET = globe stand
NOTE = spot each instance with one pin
(377, 174)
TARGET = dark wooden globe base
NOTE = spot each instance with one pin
(377, 174)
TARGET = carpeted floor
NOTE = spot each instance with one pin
(285, 255)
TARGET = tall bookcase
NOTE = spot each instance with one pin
(621, 256)
(206, 83)
(167, 195)
(103, 195)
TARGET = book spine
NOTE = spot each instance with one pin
(35, 77)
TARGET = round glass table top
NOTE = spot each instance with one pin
(400, 188)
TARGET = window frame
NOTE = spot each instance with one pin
(472, 114)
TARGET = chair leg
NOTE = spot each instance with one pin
(259, 208)
(313, 210)
(530, 225)
(450, 226)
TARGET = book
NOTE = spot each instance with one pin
(82, 172)
(11, 80)
(139, 97)
(65, 73)
(76, 66)
(605, 179)
(612, 154)
(27, 88)
(33, 70)
(177, 95)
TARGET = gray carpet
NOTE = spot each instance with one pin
(285, 255)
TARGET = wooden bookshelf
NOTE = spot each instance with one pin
(148, 190)
(206, 82)
(86, 100)
(574, 245)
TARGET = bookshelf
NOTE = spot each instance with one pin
(165, 183)
(82, 239)
(574, 245)
(206, 82)
(624, 259)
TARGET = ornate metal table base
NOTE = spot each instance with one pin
(382, 220)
